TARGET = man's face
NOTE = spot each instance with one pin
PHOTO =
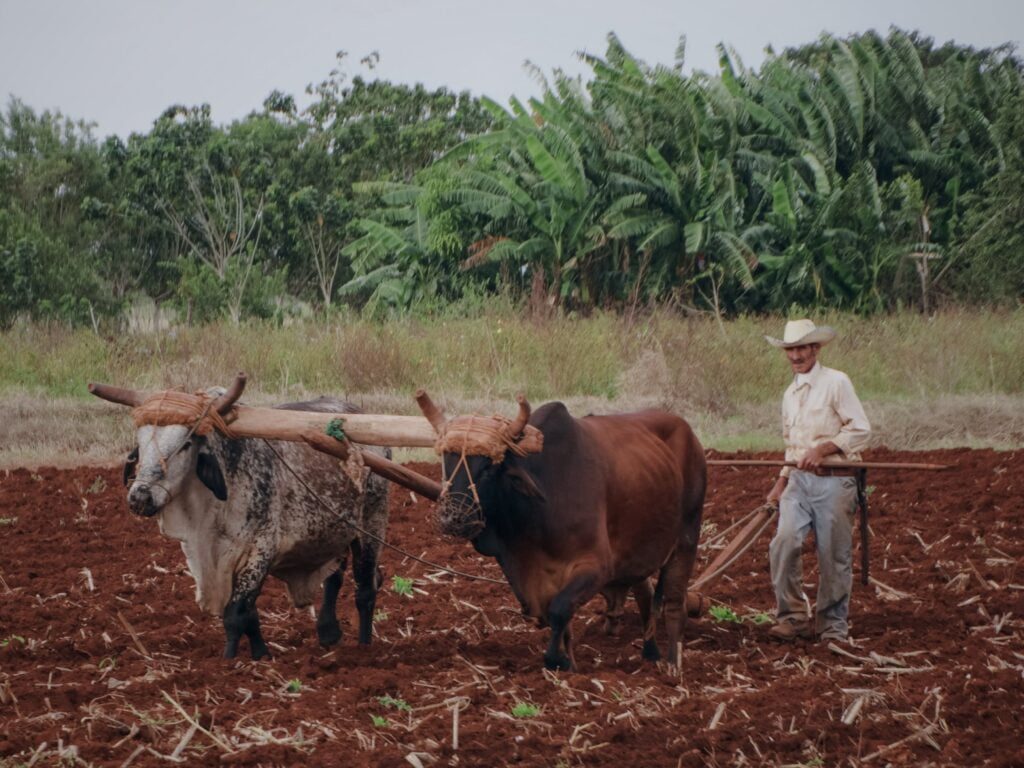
(802, 358)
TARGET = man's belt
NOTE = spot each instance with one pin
(826, 471)
(837, 471)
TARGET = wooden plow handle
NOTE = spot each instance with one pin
(827, 464)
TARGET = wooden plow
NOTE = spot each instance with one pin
(339, 435)
(859, 470)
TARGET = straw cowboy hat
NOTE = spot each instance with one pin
(800, 332)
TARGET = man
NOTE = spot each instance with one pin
(821, 417)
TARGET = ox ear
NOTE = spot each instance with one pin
(208, 470)
(522, 483)
(130, 463)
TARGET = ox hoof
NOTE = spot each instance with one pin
(559, 662)
(258, 654)
(650, 651)
(328, 634)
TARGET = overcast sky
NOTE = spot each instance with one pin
(120, 63)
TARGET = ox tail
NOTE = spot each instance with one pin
(659, 591)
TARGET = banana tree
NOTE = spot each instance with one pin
(535, 184)
(410, 251)
(676, 201)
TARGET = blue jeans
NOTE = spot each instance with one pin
(826, 505)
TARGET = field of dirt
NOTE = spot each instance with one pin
(106, 660)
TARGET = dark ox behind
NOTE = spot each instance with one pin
(607, 503)
(241, 514)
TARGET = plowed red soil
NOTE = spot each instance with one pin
(106, 660)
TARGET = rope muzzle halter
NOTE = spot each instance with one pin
(493, 437)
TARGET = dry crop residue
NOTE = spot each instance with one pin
(106, 660)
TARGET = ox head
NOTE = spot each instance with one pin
(168, 457)
(480, 466)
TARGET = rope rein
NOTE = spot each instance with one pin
(444, 443)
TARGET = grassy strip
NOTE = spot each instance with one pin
(956, 379)
(681, 362)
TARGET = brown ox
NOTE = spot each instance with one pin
(605, 503)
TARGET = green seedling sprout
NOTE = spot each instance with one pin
(724, 613)
(389, 702)
(524, 709)
(379, 721)
(294, 685)
(401, 586)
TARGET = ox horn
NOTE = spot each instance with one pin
(223, 403)
(128, 397)
(431, 411)
(515, 428)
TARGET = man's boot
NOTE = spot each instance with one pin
(789, 630)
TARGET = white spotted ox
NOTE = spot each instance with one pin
(240, 514)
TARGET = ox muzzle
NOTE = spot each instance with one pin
(146, 500)
(459, 516)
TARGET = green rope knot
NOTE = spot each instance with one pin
(334, 430)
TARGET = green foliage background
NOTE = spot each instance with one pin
(867, 173)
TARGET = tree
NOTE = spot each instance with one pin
(322, 220)
(50, 257)
(409, 253)
(222, 230)
(675, 200)
(537, 184)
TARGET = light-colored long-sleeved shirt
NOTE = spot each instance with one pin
(820, 406)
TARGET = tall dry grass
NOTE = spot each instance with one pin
(689, 361)
(957, 376)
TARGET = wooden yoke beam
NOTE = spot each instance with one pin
(369, 429)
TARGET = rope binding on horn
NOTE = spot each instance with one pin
(487, 436)
(170, 407)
